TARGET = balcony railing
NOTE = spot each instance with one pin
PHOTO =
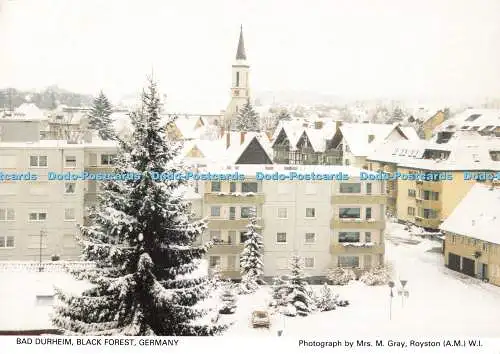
(227, 224)
(234, 198)
(359, 199)
(225, 248)
(356, 248)
(337, 223)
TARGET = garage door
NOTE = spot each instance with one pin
(468, 266)
(454, 262)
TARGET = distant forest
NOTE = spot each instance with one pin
(49, 98)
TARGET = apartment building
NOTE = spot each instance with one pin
(472, 240)
(329, 223)
(38, 216)
(457, 164)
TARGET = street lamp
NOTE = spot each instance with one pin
(391, 295)
(42, 235)
(403, 292)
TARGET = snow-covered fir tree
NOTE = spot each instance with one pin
(228, 300)
(99, 117)
(299, 296)
(247, 119)
(279, 292)
(327, 300)
(141, 240)
(282, 115)
(251, 258)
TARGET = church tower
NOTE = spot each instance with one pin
(240, 88)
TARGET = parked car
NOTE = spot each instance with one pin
(260, 319)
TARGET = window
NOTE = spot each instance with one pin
(69, 214)
(215, 186)
(310, 213)
(69, 241)
(367, 261)
(231, 237)
(232, 187)
(348, 261)
(430, 195)
(37, 216)
(7, 214)
(232, 213)
(310, 237)
(237, 79)
(473, 117)
(281, 237)
(368, 213)
(215, 211)
(350, 188)
(246, 212)
(310, 188)
(108, 159)
(412, 193)
(38, 161)
(349, 213)
(69, 188)
(214, 261)
(368, 188)
(368, 236)
(348, 236)
(6, 241)
(243, 236)
(215, 235)
(70, 161)
(249, 187)
(231, 262)
(411, 211)
(282, 213)
(429, 214)
(309, 262)
(347, 162)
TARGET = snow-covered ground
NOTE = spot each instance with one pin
(441, 302)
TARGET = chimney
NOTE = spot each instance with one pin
(318, 125)
(371, 137)
(242, 137)
(228, 140)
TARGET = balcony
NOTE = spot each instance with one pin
(353, 248)
(234, 198)
(359, 199)
(337, 223)
(100, 169)
(226, 224)
(225, 248)
(427, 223)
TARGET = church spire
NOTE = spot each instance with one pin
(240, 54)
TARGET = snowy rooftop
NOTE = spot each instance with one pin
(472, 119)
(464, 154)
(357, 135)
(477, 215)
(252, 169)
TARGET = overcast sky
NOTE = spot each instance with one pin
(362, 48)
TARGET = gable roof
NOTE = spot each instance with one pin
(477, 215)
(187, 127)
(471, 119)
(357, 134)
